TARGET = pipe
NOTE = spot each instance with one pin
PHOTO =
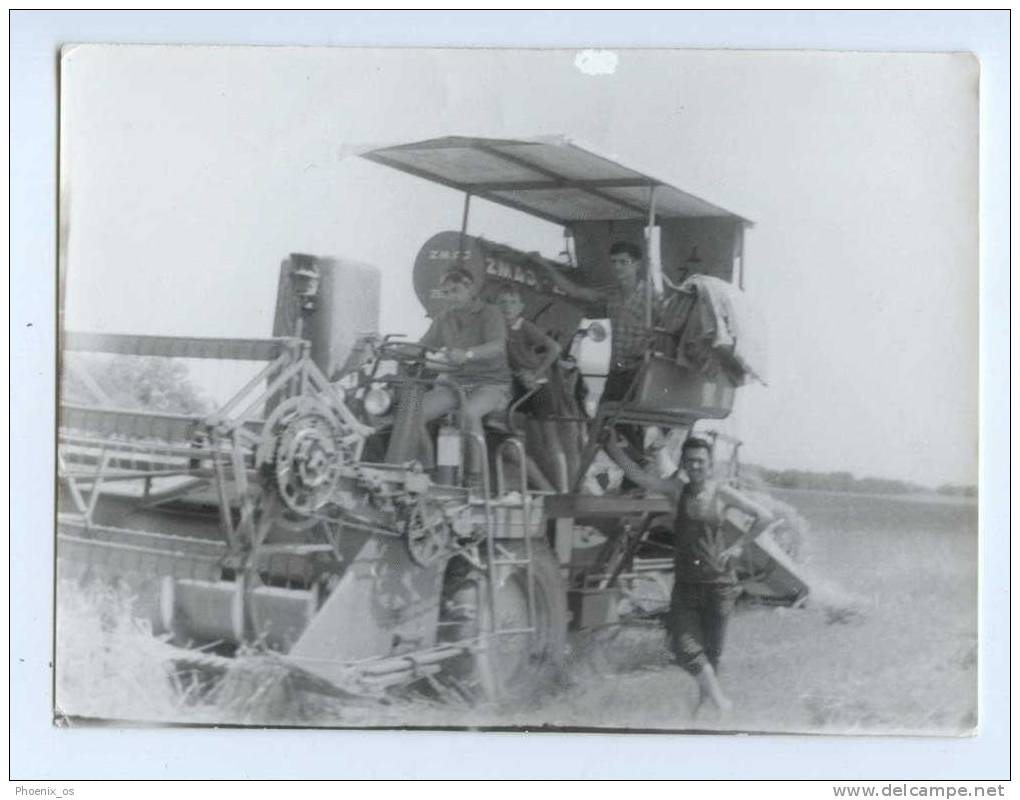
(651, 263)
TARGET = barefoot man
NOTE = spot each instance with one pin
(705, 585)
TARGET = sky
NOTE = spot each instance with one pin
(190, 173)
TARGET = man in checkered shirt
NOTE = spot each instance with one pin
(625, 306)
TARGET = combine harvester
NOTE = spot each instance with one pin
(298, 520)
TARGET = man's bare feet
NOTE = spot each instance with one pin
(710, 694)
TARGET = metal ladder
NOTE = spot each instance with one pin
(493, 562)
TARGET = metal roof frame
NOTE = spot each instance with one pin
(544, 175)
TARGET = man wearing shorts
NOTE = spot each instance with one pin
(471, 336)
(705, 587)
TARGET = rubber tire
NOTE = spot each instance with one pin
(534, 670)
(551, 602)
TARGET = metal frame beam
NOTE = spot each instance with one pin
(523, 162)
(464, 187)
(491, 148)
(561, 183)
(178, 346)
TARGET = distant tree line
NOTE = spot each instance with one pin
(846, 482)
(146, 383)
(953, 490)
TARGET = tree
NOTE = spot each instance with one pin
(146, 383)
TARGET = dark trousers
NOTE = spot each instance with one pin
(698, 615)
(618, 383)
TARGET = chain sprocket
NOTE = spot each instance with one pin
(427, 530)
(303, 450)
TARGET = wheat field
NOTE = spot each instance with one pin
(887, 644)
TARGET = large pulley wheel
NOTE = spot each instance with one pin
(428, 532)
(303, 451)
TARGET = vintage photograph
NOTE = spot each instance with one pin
(627, 390)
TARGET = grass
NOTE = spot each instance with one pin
(107, 664)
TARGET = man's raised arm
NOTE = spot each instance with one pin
(641, 477)
(568, 287)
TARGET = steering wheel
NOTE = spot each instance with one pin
(414, 357)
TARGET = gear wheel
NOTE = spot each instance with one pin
(428, 533)
(303, 451)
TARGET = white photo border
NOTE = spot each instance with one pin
(41, 751)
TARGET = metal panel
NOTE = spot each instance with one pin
(568, 204)
(346, 307)
(464, 165)
(382, 603)
(580, 505)
(132, 424)
(571, 161)
(510, 172)
(712, 242)
(669, 202)
(176, 346)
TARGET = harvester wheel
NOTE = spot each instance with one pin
(518, 663)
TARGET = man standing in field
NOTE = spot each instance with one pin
(705, 587)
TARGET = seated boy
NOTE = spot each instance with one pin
(530, 352)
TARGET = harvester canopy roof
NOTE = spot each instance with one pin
(548, 177)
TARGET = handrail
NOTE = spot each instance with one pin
(490, 525)
(512, 408)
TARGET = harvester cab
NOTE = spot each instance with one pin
(300, 517)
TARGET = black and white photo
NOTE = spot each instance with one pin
(606, 389)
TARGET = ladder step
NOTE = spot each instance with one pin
(510, 562)
(512, 631)
(294, 549)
